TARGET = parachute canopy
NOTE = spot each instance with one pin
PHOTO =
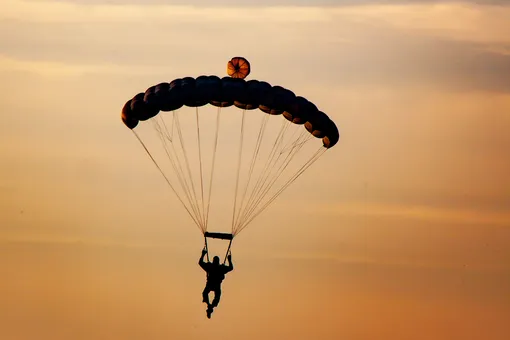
(225, 92)
(238, 67)
(254, 178)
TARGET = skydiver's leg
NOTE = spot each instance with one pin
(205, 294)
(217, 295)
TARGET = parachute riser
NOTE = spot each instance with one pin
(206, 249)
(228, 252)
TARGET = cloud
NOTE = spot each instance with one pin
(429, 213)
(63, 69)
(69, 12)
(275, 3)
(354, 47)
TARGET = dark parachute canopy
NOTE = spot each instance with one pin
(158, 101)
(224, 92)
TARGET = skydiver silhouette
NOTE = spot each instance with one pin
(215, 275)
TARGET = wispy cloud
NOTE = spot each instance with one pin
(67, 69)
(164, 12)
(276, 3)
(427, 213)
(409, 45)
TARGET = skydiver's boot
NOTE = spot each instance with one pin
(209, 311)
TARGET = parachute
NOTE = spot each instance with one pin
(238, 67)
(191, 138)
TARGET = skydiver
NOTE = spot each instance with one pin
(215, 275)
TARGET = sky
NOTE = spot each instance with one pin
(402, 230)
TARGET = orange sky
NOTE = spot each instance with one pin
(401, 231)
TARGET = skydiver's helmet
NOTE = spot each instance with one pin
(216, 260)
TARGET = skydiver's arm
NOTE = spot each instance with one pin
(201, 261)
(230, 266)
